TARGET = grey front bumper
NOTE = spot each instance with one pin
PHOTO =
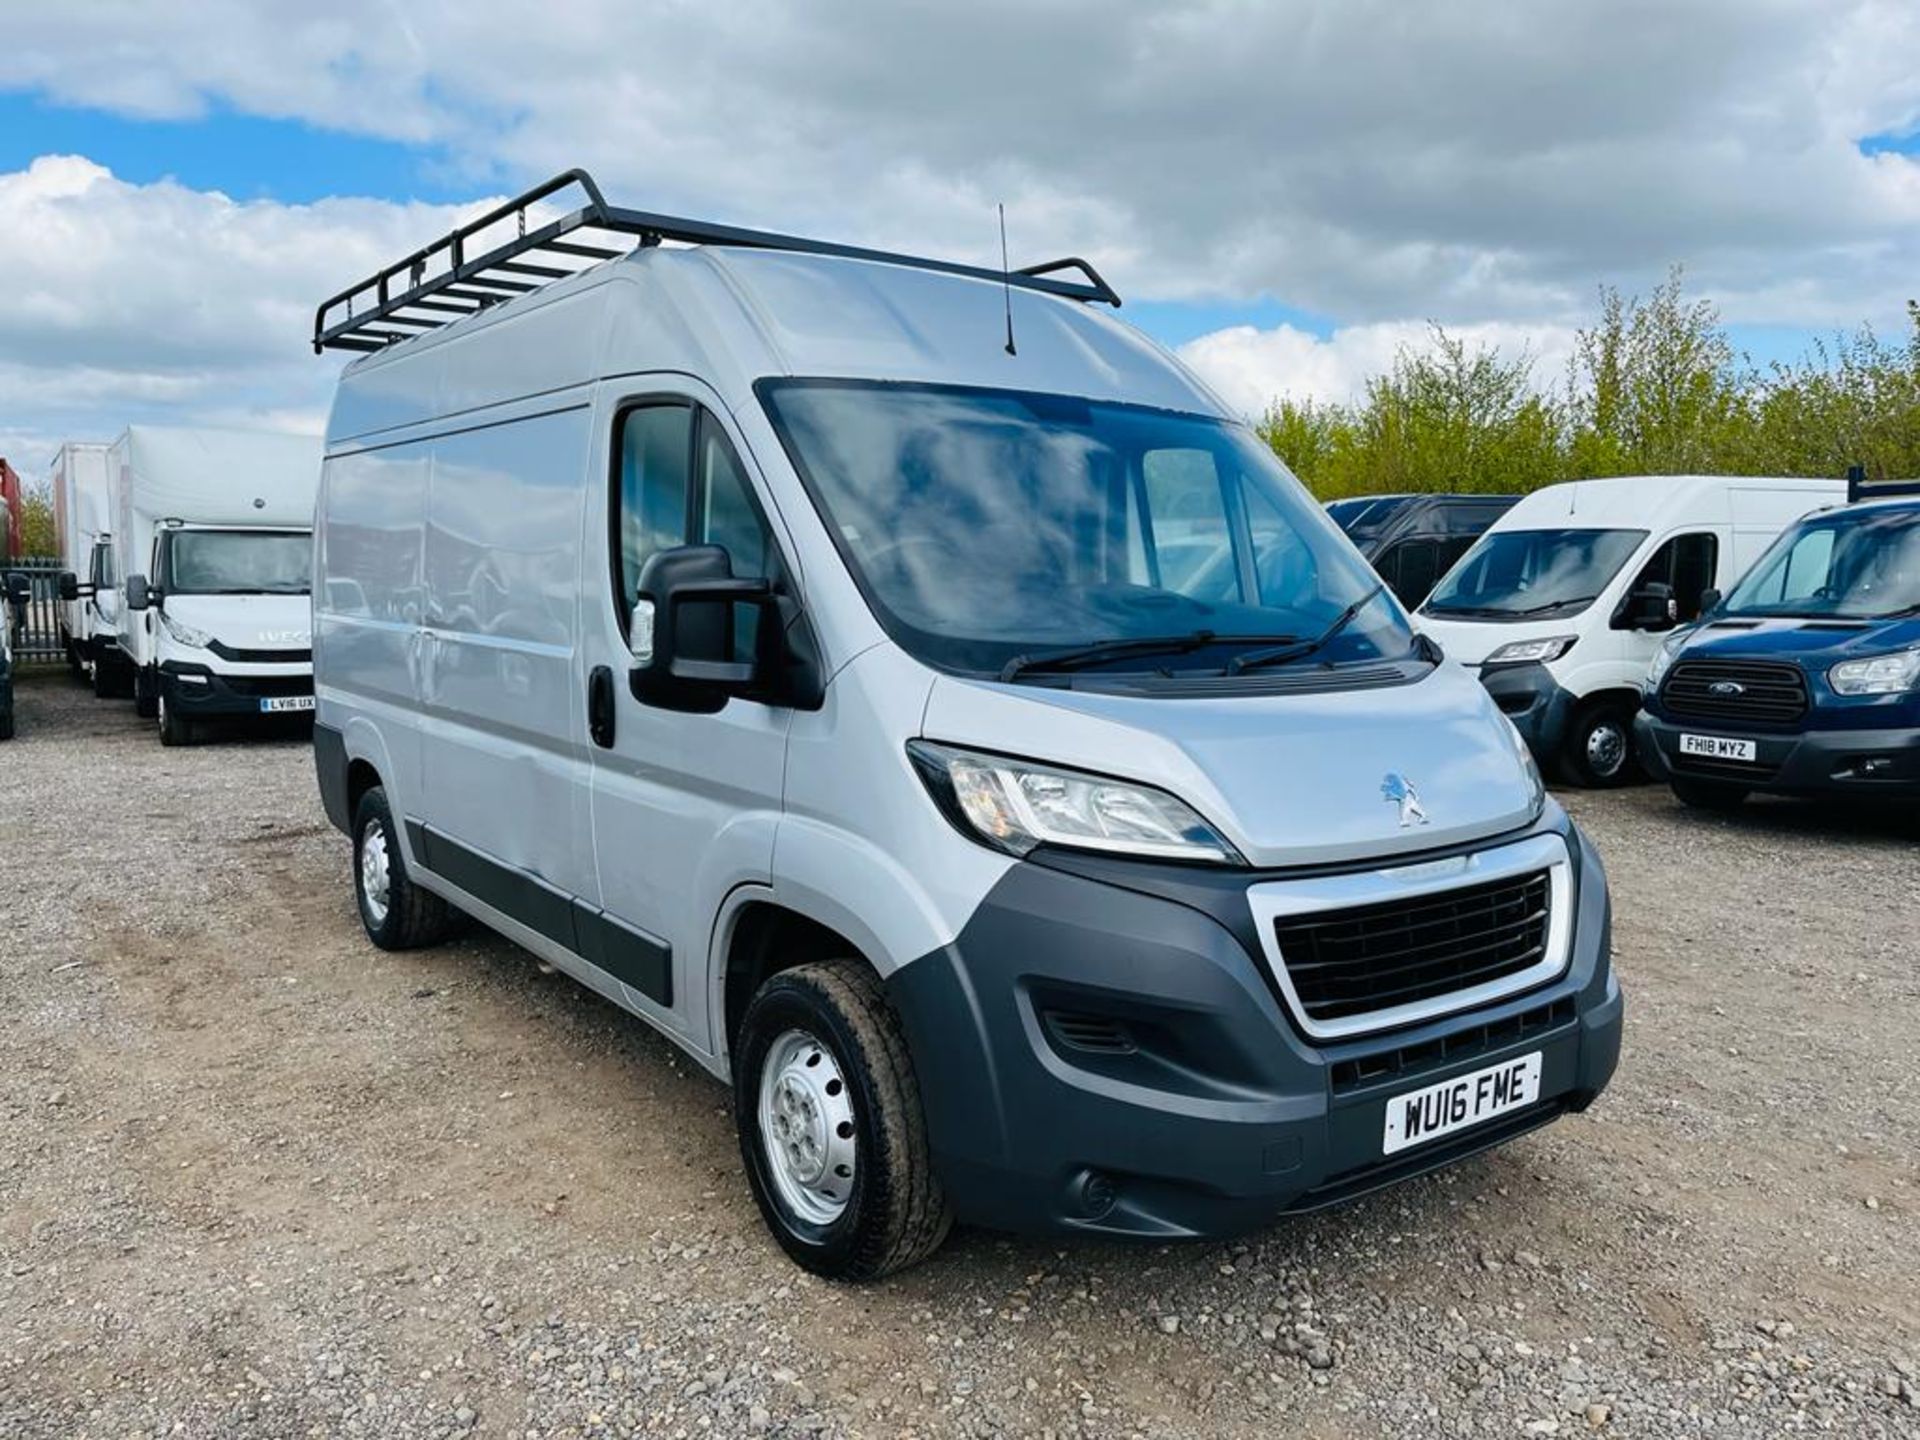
(1219, 1114)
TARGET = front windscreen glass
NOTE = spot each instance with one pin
(1863, 565)
(1530, 574)
(987, 527)
(238, 562)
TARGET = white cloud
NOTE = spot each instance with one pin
(1251, 368)
(1367, 160)
(155, 301)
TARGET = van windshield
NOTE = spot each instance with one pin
(1859, 566)
(237, 562)
(1531, 574)
(986, 527)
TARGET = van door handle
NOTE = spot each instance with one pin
(600, 706)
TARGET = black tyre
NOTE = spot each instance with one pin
(76, 667)
(828, 1109)
(397, 913)
(1598, 750)
(146, 693)
(6, 713)
(1709, 794)
(175, 728)
(106, 679)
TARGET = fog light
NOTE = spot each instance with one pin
(191, 679)
(1867, 766)
(1097, 1194)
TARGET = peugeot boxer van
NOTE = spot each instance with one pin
(911, 691)
(1561, 605)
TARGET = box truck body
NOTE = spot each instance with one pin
(82, 520)
(212, 539)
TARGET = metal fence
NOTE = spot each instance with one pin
(36, 626)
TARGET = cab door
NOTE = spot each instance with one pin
(684, 807)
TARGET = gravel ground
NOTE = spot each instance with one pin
(258, 1178)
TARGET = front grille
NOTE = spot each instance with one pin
(1735, 692)
(1376, 957)
(269, 687)
(1398, 1064)
(260, 657)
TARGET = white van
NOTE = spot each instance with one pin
(213, 540)
(913, 693)
(1561, 605)
(82, 501)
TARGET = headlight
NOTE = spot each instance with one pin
(1663, 661)
(185, 634)
(1879, 675)
(1531, 652)
(1015, 805)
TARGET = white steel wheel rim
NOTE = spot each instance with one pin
(376, 872)
(807, 1130)
(1606, 748)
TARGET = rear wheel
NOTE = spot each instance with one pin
(1598, 750)
(828, 1109)
(1709, 794)
(397, 914)
(175, 728)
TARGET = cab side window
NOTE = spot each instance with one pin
(102, 567)
(679, 482)
(1686, 562)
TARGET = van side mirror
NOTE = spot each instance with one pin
(19, 588)
(1709, 598)
(68, 584)
(1651, 607)
(139, 596)
(689, 629)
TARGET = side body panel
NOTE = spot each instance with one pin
(501, 707)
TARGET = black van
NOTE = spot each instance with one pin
(1412, 540)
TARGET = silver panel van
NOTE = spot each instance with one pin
(914, 693)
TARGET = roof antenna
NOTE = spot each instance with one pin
(1006, 279)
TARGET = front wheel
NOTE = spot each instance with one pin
(1709, 794)
(831, 1130)
(175, 728)
(1598, 751)
(146, 693)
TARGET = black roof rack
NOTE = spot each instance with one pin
(461, 273)
(1860, 488)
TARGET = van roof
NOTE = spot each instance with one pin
(733, 311)
(1642, 502)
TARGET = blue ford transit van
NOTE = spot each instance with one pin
(1805, 680)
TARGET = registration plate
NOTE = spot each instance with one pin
(1462, 1102)
(278, 703)
(1718, 747)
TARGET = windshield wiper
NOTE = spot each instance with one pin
(1286, 653)
(1123, 647)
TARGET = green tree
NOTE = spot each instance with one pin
(1455, 416)
(1653, 389)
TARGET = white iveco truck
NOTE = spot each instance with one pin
(82, 505)
(212, 532)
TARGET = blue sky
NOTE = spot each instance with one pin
(1285, 193)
